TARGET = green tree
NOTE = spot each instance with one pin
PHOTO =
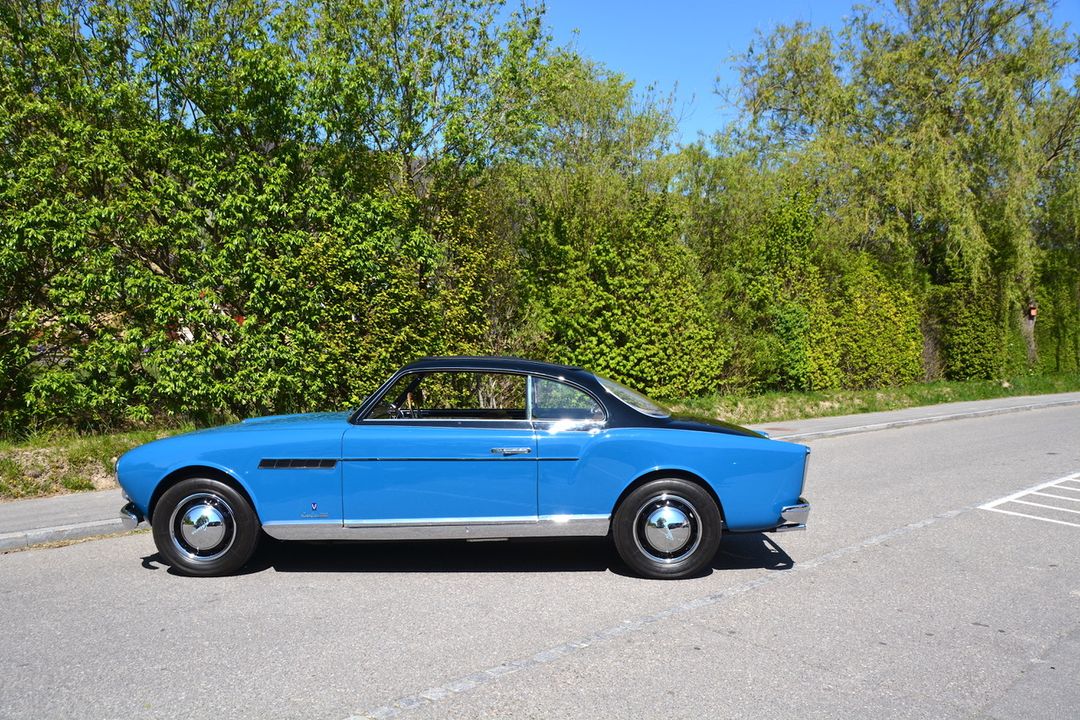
(608, 281)
(925, 133)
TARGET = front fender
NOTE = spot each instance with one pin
(237, 451)
(143, 471)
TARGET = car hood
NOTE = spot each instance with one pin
(298, 418)
(298, 421)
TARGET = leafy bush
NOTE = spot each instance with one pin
(878, 335)
(972, 332)
(626, 301)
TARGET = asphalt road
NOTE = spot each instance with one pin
(905, 598)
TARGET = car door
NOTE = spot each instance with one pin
(577, 471)
(442, 448)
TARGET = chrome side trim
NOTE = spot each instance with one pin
(794, 516)
(442, 528)
(426, 522)
(437, 459)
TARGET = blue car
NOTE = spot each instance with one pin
(470, 448)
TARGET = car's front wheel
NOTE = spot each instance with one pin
(203, 526)
(668, 528)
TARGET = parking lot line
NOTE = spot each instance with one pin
(1059, 497)
(1051, 507)
(1033, 517)
(1034, 488)
(1038, 491)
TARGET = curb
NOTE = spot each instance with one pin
(854, 430)
(29, 538)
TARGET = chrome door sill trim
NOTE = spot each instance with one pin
(428, 522)
(443, 528)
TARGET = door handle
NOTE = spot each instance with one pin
(511, 451)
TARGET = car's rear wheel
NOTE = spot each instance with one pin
(667, 528)
(203, 526)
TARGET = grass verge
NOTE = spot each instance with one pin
(771, 407)
(57, 463)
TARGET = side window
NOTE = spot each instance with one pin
(553, 400)
(451, 395)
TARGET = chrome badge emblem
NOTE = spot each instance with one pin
(314, 512)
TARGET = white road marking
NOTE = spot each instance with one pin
(1050, 507)
(1033, 517)
(1000, 501)
(1059, 497)
(1037, 490)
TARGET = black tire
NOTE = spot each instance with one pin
(681, 540)
(220, 533)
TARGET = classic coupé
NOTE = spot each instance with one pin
(468, 448)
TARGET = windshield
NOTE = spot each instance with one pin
(634, 399)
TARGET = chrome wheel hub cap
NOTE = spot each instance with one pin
(202, 527)
(667, 528)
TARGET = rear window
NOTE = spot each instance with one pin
(634, 399)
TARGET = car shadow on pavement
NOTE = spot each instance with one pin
(577, 555)
(737, 552)
(749, 551)
(433, 557)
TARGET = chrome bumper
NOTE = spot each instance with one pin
(130, 516)
(794, 516)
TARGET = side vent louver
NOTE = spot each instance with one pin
(295, 464)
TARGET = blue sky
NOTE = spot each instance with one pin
(689, 43)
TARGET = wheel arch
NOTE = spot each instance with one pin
(662, 473)
(198, 471)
